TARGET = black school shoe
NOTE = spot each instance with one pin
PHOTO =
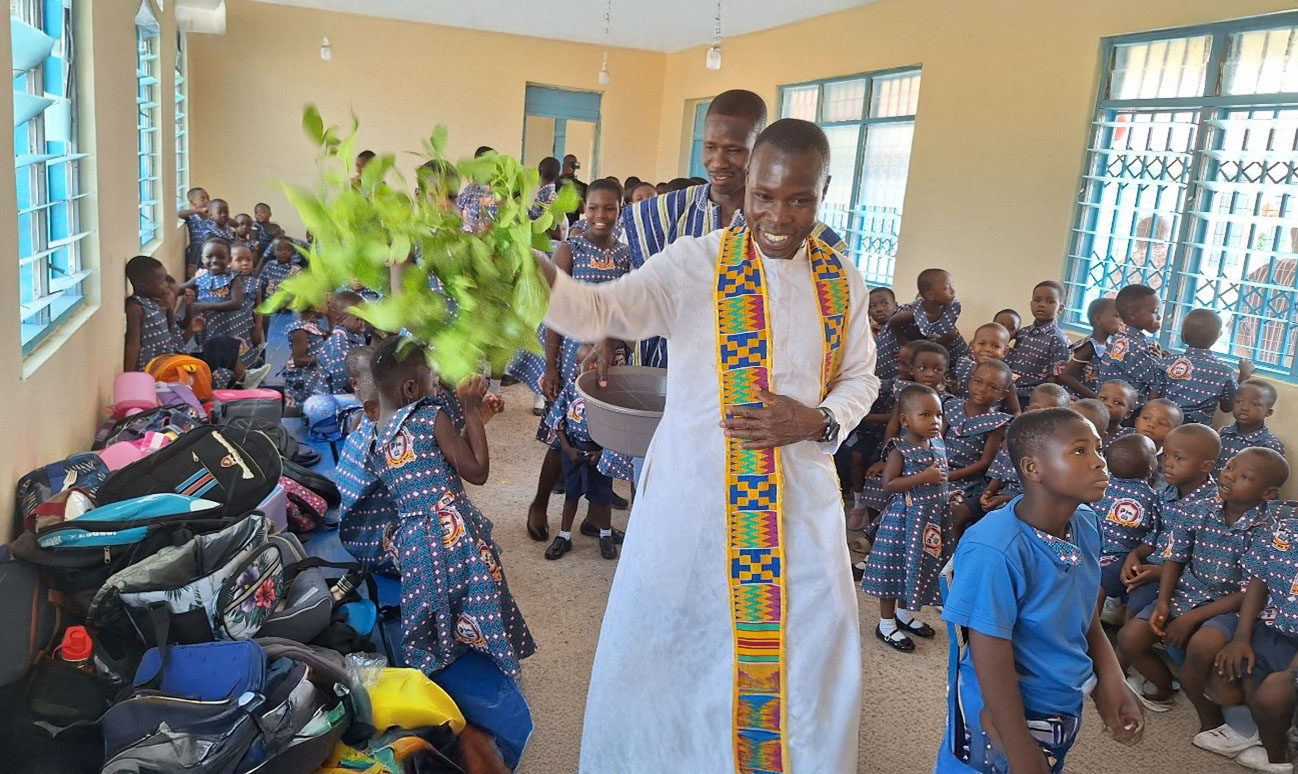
(619, 503)
(558, 548)
(607, 548)
(923, 630)
(590, 530)
(905, 644)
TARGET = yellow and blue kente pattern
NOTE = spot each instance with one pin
(753, 481)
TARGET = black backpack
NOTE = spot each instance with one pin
(178, 418)
(87, 471)
(204, 462)
(238, 428)
(314, 481)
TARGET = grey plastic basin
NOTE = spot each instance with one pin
(623, 415)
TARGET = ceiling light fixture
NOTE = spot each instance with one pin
(604, 77)
(326, 51)
(713, 60)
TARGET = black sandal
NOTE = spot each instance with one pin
(905, 645)
(923, 630)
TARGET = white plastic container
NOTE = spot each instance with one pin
(275, 507)
(623, 415)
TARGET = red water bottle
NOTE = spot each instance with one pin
(77, 650)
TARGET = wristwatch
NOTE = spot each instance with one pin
(831, 426)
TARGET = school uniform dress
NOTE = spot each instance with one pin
(1038, 354)
(1173, 511)
(545, 195)
(301, 383)
(367, 515)
(958, 376)
(872, 495)
(477, 206)
(266, 233)
(1115, 435)
(1090, 375)
(217, 289)
(1002, 469)
(965, 440)
(272, 274)
(333, 379)
(915, 534)
(1198, 381)
(1129, 510)
(454, 597)
(1014, 582)
(568, 414)
(1233, 442)
(653, 224)
(1273, 558)
(663, 691)
(158, 336)
(922, 328)
(200, 229)
(1213, 552)
(1133, 356)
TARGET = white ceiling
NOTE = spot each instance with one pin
(655, 25)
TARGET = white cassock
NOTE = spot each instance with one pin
(662, 687)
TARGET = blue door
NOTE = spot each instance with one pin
(696, 147)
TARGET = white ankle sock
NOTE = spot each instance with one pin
(565, 535)
(887, 626)
(905, 616)
(606, 533)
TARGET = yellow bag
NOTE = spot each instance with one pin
(406, 698)
(183, 369)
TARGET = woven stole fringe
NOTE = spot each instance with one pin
(755, 541)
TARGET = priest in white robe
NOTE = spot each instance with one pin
(666, 693)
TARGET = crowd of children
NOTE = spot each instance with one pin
(1176, 526)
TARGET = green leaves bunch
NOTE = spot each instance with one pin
(473, 297)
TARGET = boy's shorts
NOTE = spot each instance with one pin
(1111, 576)
(1142, 597)
(1224, 623)
(582, 478)
(1273, 650)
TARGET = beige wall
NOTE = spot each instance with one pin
(402, 79)
(1005, 106)
(55, 397)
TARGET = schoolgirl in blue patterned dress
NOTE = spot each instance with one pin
(367, 514)
(934, 315)
(219, 294)
(1133, 355)
(1003, 482)
(975, 431)
(348, 332)
(306, 337)
(217, 225)
(915, 535)
(276, 269)
(194, 217)
(454, 597)
(1080, 373)
(150, 326)
(1040, 349)
(247, 319)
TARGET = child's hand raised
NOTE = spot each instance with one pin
(492, 405)
(472, 391)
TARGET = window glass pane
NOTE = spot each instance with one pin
(1176, 67)
(882, 189)
(895, 95)
(844, 100)
(1133, 192)
(1262, 62)
(148, 94)
(1244, 234)
(800, 102)
(842, 168)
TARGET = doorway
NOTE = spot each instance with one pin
(557, 122)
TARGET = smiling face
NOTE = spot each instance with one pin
(602, 208)
(922, 416)
(216, 257)
(1247, 480)
(928, 368)
(1070, 464)
(989, 343)
(261, 213)
(727, 143)
(987, 385)
(1045, 304)
(782, 197)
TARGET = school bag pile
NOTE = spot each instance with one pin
(161, 614)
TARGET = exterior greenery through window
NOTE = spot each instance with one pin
(1190, 183)
(870, 121)
(48, 175)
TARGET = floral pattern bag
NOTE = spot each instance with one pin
(250, 593)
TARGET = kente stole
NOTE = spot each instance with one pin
(755, 544)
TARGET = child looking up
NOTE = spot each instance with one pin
(932, 316)
(915, 536)
(1190, 499)
(1003, 480)
(1256, 666)
(150, 314)
(1133, 355)
(1254, 402)
(454, 597)
(196, 222)
(1119, 397)
(1198, 381)
(1008, 319)
(1041, 348)
(1017, 687)
(1081, 373)
(975, 431)
(1129, 510)
(581, 475)
(883, 302)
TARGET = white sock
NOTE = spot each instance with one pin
(566, 535)
(887, 626)
(493, 385)
(905, 616)
(606, 533)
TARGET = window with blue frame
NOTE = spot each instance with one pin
(696, 145)
(47, 165)
(182, 123)
(870, 121)
(1190, 183)
(148, 123)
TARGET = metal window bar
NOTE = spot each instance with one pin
(147, 126)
